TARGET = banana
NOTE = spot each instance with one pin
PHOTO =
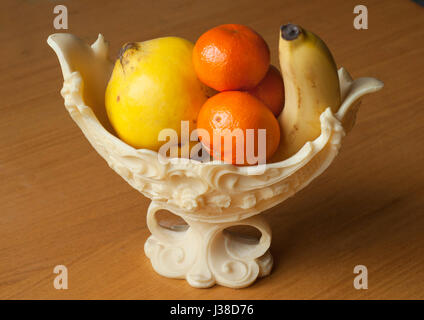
(311, 86)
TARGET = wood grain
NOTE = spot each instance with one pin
(61, 204)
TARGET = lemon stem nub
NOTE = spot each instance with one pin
(290, 31)
(124, 49)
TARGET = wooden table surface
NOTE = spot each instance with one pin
(60, 204)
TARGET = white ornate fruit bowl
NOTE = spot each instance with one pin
(210, 196)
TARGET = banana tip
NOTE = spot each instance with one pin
(290, 31)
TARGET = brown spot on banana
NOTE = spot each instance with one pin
(299, 97)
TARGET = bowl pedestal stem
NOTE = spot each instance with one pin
(205, 253)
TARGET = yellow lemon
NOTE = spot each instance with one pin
(153, 87)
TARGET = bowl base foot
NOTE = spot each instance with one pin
(209, 253)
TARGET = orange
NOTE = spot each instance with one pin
(229, 115)
(231, 57)
(271, 91)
